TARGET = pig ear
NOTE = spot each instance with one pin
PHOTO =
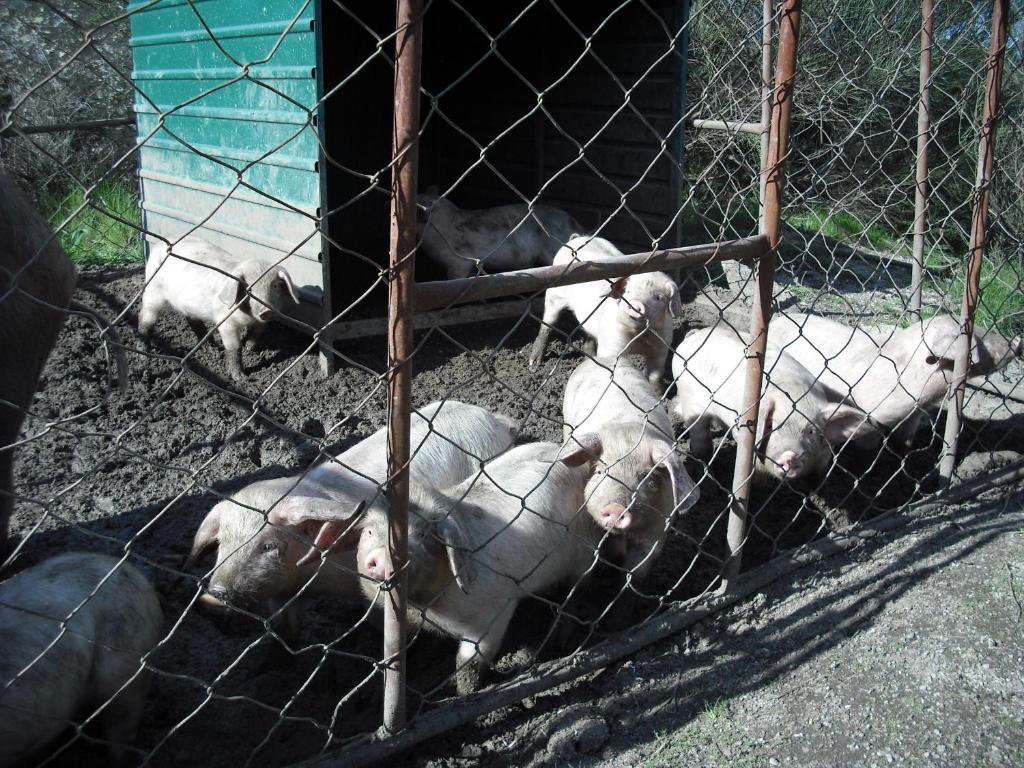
(459, 549)
(330, 535)
(296, 510)
(684, 491)
(582, 448)
(206, 536)
(766, 416)
(675, 304)
(234, 289)
(619, 287)
(942, 363)
(847, 422)
(283, 274)
(324, 520)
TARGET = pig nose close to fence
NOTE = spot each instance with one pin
(636, 311)
(790, 464)
(616, 516)
(214, 598)
(375, 565)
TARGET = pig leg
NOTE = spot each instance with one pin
(232, 339)
(255, 333)
(657, 356)
(474, 656)
(198, 328)
(119, 722)
(906, 432)
(148, 314)
(553, 306)
(656, 368)
(700, 440)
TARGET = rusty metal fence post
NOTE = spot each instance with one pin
(778, 149)
(408, 48)
(976, 252)
(923, 135)
(767, 14)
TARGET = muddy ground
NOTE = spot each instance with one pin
(143, 468)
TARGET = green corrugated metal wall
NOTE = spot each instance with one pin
(190, 62)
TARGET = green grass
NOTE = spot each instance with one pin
(715, 709)
(1002, 287)
(98, 233)
(843, 225)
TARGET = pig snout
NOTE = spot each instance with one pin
(375, 564)
(615, 517)
(635, 310)
(214, 598)
(790, 464)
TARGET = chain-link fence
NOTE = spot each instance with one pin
(676, 297)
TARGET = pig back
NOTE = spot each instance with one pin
(192, 284)
(879, 371)
(526, 519)
(609, 390)
(448, 442)
(116, 619)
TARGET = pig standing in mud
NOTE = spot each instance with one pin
(477, 549)
(51, 675)
(209, 286)
(799, 417)
(629, 315)
(895, 374)
(36, 283)
(261, 563)
(640, 482)
(495, 239)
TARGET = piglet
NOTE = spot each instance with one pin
(894, 374)
(495, 239)
(629, 315)
(266, 564)
(52, 673)
(640, 482)
(477, 549)
(210, 286)
(799, 418)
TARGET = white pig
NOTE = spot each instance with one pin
(265, 563)
(244, 294)
(51, 675)
(629, 315)
(477, 549)
(799, 418)
(497, 239)
(640, 482)
(894, 374)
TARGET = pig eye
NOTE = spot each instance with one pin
(269, 546)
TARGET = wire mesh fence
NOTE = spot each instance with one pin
(651, 329)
